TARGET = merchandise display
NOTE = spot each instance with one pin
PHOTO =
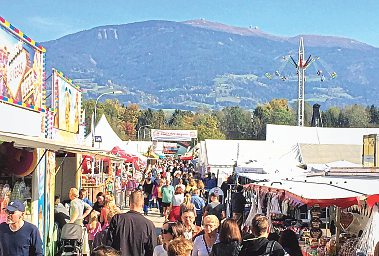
(12, 188)
(315, 225)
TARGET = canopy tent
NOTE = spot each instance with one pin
(110, 140)
(139, 146)
(244, 153)
(186, 157)
(372, 200)
(151, 155)
(291, 135)
(328, 166)
(129, 158)
(328, 153)
(324, 191)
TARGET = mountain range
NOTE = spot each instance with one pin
(191, 64)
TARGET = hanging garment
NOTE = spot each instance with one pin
(275, 207)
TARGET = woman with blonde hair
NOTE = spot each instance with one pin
(191, 185)
(93, 227)
(202, 246)
(109, 210)
(187, 204)
(201, 187)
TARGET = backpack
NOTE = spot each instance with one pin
(269, 248)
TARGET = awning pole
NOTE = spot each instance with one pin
(39, 161)
(80, 165)
(338, 226)
(60, 165)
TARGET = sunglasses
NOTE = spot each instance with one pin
(166, 231)
(169, 230)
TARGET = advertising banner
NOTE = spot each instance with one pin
(173, 135)
(21, 71)
(67, 103)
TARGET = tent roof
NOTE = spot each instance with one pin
(226, 152)
(109, 138)
(326, 153)
(286, 134)
(325, 191)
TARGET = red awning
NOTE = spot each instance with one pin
(298, 200)
(129, 158)
(372, 200)
(186, 158)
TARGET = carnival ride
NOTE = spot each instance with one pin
(322, 73)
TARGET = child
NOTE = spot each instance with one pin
(93, 227)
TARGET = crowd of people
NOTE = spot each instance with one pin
(196, 222)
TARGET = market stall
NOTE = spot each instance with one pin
(326, 212)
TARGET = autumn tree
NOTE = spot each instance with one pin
(207, 126)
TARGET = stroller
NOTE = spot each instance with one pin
(71, 241)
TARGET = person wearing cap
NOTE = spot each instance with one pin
(18, 237)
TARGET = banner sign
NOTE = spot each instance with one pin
(21, 71)
(67, 103)
(173, 135)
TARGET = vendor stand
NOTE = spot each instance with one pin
(283, 198)
(22, 110)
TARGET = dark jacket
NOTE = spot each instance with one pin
(238, 202)
(257, 246)
(132, 234)
(226, 249)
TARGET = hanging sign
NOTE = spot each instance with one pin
(21, 70)
(67, 101)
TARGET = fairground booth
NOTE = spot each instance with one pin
(23, 118)
(40, 148)
(332, 214)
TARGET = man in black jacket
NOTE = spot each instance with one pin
(131, 233)
(258, 244)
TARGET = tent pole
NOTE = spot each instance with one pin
(327, 220)
(338, 226)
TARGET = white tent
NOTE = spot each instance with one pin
(326, 189)
(110, 139)
(221, 156)
(285, 134)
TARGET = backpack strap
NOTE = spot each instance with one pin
(269, 247)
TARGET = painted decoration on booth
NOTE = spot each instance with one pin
(21, 71)
(67, 102)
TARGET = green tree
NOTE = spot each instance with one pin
(330, 118)
(159, 120)
(208, 127)
(129, 119)
(374, 115)
(236, 123)
(357, 116)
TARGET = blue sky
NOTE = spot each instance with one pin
(50, 19)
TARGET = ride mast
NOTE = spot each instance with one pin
(301, 66)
